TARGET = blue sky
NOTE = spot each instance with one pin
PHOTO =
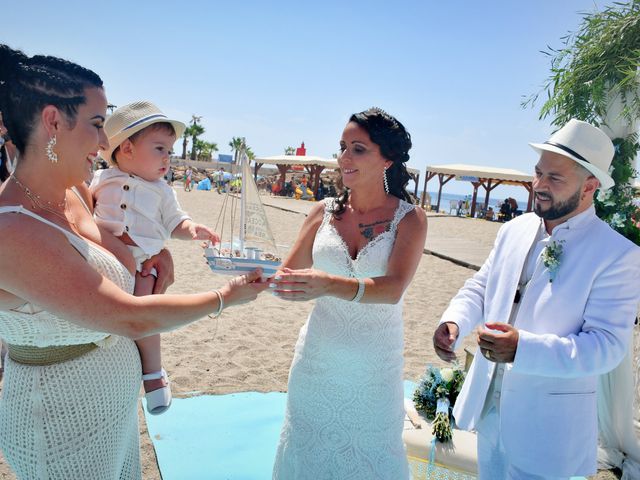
(279, 73)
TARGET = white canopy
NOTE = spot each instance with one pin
(303, 160)
(466, 172)
(309, 160)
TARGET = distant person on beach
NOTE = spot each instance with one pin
(505, 210)
(134, 203)
(490, 214)
(356, 255)
(220, 180)
(69, 404)
(552, 308)
(188, 178)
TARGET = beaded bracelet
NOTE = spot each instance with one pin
(360, 292)
(220, 304)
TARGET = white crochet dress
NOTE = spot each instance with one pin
(78, 419)
(345, 410)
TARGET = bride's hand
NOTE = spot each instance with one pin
(300, 285)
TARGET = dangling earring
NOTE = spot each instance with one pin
(51, 155)
(385, 181)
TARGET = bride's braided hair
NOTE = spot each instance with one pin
(28, 84)
(394, 142)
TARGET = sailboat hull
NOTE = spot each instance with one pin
(239, 266)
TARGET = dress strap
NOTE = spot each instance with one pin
(401, 211)
(73, 238)
(329, 205)
(84, 204)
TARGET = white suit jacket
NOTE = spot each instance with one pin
(571, 331)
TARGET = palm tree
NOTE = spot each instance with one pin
(195, 130)
(237, 144)
(289, 151)
(207, 149)
(185, 139)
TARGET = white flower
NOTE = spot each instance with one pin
(551, 257)
(446, 374)
(604, 196)
(617, 220)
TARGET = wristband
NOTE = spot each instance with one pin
(360, 292)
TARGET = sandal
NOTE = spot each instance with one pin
(158, 401)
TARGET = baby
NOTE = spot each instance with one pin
(133, 202)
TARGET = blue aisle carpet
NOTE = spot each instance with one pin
(222, 437)
(218, 437)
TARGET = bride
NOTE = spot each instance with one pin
(357, 254)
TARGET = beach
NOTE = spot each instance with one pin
(250, 347)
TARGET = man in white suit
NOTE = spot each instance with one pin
(552, 308)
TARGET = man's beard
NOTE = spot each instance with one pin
(559, 209)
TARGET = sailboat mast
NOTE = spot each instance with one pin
(243, 200)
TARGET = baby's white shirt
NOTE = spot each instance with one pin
(147, 211)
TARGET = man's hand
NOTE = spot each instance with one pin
(163, 263)
(498, 342)
(443, 339)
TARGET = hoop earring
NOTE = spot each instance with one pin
(51, 155)
(385, 181)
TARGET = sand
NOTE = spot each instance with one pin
(250, 347)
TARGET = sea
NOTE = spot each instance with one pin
(445, 198)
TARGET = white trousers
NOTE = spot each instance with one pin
(140, 257)
(493, 463)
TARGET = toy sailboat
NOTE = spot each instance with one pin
(254, 246)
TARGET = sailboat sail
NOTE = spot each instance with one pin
(256, 227)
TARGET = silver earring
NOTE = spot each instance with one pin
(51, 155)
(386, 182)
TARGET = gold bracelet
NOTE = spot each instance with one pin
(220, 304)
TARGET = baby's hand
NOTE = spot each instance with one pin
(202, 232)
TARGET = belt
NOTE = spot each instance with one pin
(30, 355)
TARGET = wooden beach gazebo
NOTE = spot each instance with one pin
(479, 176)
(314, 167)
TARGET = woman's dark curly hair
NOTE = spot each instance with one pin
(394, 141)
(28, 84)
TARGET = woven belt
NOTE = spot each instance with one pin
(29, 355)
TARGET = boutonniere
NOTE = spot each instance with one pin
(551, 256)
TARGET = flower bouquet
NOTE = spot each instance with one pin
(436, 394)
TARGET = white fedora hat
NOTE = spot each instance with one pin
(585, 144)
(132, 118)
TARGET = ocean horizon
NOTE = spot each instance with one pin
(445, 198)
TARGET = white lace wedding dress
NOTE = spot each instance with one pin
(345, 412)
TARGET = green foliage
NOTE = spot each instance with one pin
(238, 144)
(616, 206)
(205, 149)
(603, 55)
(597, 62)
(194, 131)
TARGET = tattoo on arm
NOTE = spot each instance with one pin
(372, 230)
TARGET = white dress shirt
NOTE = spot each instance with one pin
(147, 211)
